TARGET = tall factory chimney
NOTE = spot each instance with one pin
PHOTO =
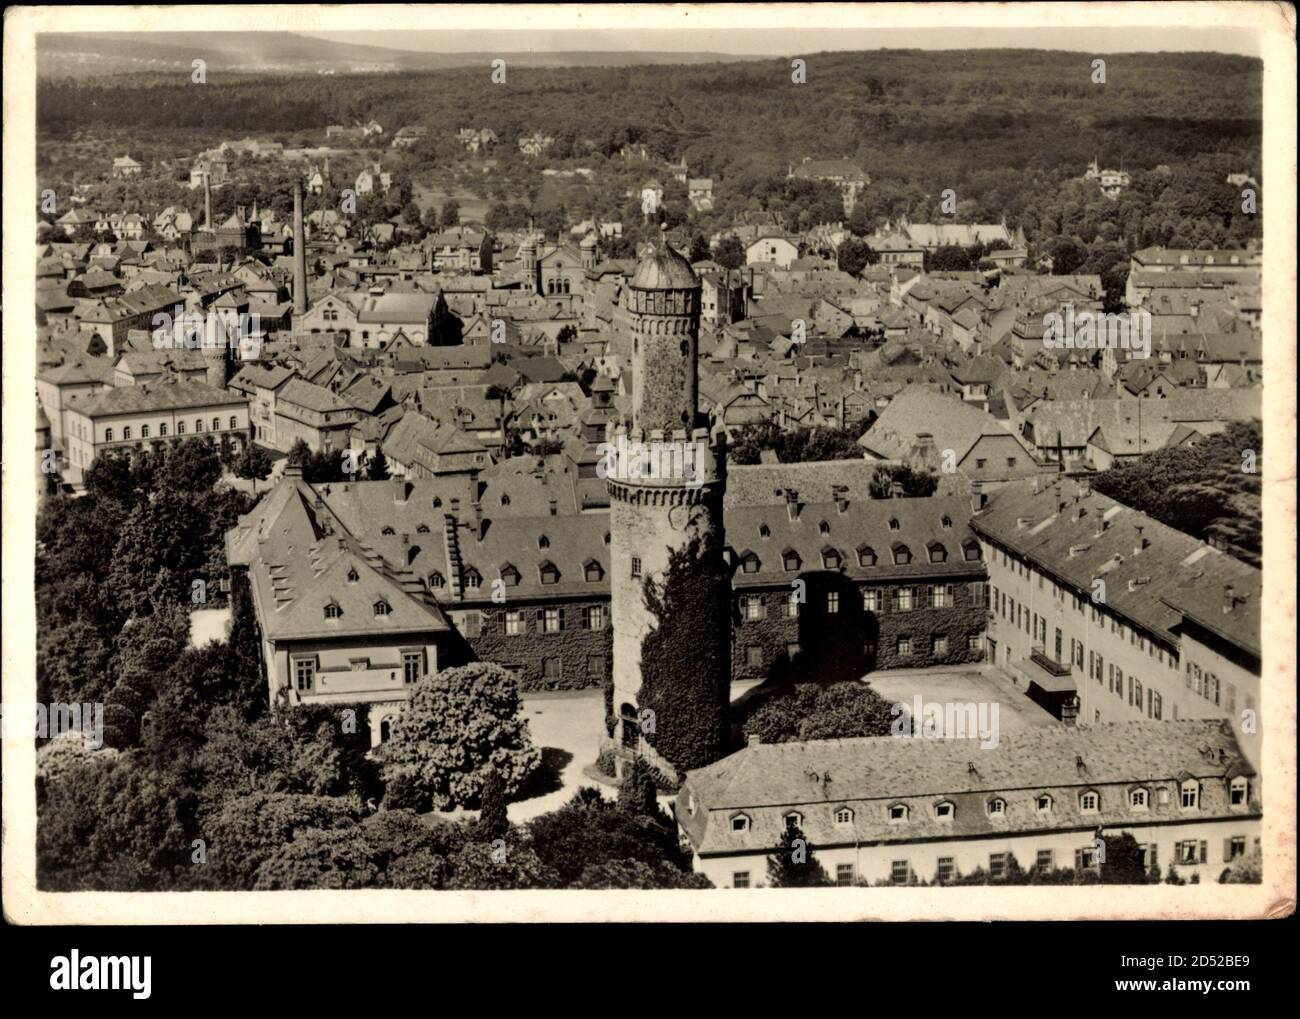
(207, 200)
(299, 254)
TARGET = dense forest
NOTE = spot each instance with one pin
(1010, 132)
(1210, 491)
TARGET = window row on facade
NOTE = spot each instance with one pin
(127, 431)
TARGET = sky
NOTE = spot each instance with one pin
(793, 41)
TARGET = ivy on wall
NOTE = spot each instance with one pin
(686, 659)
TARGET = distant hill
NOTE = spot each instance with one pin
(104, 53)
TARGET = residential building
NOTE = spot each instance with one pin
(1082, 596)
(137, 418)
(889, 810)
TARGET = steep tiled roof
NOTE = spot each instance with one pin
(863, 522)
(1044, 526)
(868, 775)
(301, 558)
(154, 397)
(917, 410)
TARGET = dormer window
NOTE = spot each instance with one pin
(1139, 799)
(594, 572)
(437, 502)
(866, 556)
(422, 529)
(897, 813)
(740, 822)
(764, 531)
(824, 527)
(791, 561)
(543, 542)
(844, 816)
(473, 580)
(946, 522)
(549, 573)
(509, 575)
(971, 551)
(1190, 794)
(893, 523)
(938, 554)
(505, 499)
(997, 807)
(387, 530)
(793, 821)
(436, 580)
(750, 563)
(1089, 803)
(382, 608)
(944, 810)
(1239, 792)
(830, 559)
(606, 537)
(1043, 804)
(902, 555)
(332, 610)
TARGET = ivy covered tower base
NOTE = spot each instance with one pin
(670, 586)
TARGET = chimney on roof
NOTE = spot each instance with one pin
(1229, 598)
(400, 490)
(792, 506)
(299, 254)
(1142, 543)
(841, 497)
(753, 739)
(207, 201)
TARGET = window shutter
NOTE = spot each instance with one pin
(1078, 860)
(762, 606)
(583, 620)
(1203, 853)
(561, 619)
(541, 618)
(1227, 850)
(1152, 860)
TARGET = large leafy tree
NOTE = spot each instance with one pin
(820, 711)
(591, 831)
(460, 725)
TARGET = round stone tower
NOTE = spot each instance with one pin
(666, 479)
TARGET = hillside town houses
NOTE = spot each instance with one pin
(488, 366)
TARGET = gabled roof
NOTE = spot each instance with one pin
(916, 410)
(300, 556)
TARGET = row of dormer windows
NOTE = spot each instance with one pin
(1089, 802)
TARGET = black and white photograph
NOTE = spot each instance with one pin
(648, 463)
